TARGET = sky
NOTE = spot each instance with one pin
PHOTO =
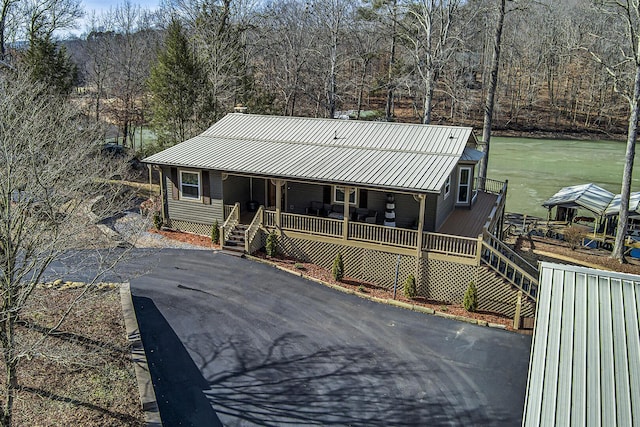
(100, 6)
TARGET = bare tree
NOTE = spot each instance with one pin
(624, 31)
(491, 90)
(431, 32)
(43, 18)
(49, 169)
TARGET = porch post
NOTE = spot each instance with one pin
(345, 219)
(162, 200)
(422, 198)
(516, 317)
(278, 201)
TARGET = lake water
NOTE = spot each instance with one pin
(538, 168)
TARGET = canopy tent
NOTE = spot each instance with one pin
(588, 196)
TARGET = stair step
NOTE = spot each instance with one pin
(232, 251)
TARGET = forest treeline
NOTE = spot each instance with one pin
(181, 67)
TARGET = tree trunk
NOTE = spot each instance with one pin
(428, 96)
(11, 377)
(491, 95)
(625, 192)
(388, 110)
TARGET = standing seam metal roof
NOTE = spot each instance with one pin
(585, 359)
(588, 196)
(390, 155)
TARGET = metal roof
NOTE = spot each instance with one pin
(634, 205)
(585, 358)
(588, 196)
(378, 154)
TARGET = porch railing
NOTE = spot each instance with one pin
(511, 266)
(269, 218)
(383, 235)
(466, 247)
(252, 230)
(230, 223)
(227, 210)
(311, 224)
(489, 185)
(494, 215)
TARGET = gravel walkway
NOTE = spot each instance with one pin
(131, 227)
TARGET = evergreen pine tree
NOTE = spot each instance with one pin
(50, 65)
(177, 87)
(470, 301)
(338, 268)
(410, 290)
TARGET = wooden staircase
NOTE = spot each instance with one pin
(235, 243)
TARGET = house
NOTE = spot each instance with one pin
(381, 194)
(585, 357)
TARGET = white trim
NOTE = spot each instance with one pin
(352, 190)
(467, 184)
(447, 187)
(198, 186)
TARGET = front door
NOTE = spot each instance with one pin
(271, 195)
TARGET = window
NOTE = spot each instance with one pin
(464, 184)
(447, 187)
(338, 195)
(189, 185)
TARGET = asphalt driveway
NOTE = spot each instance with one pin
(233, 342)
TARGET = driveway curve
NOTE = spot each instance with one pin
(237, 343)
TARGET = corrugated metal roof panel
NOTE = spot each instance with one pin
(585, 357)
(588, 196)
(391, 155)
(634, 205)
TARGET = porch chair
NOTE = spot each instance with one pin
(314, 209)
(366, 215)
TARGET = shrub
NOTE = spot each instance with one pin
(470, 301)
(410, 290)
(361, 289)
(573, 237)
(338, 268)
(272, 244)
(157, 221)
(215, 232)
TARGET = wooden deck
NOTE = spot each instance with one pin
(469, 222)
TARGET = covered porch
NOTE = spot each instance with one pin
(412, 234)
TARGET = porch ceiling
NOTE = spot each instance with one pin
(415, 158)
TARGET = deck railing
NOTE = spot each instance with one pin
(466, 247)
(227, 210)
(311, 224)
(269, 218)
(511, 266)
(495, 215)
(489, 185)
(383, 235)
(252, 230)
(230, 223)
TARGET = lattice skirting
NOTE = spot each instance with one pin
(444, 280)
(438, 280)
(496, 295)
(370, 265)
(189, 227)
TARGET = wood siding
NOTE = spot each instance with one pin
(446, 205)
(300, 195)
(237, 189)
(194, 211)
